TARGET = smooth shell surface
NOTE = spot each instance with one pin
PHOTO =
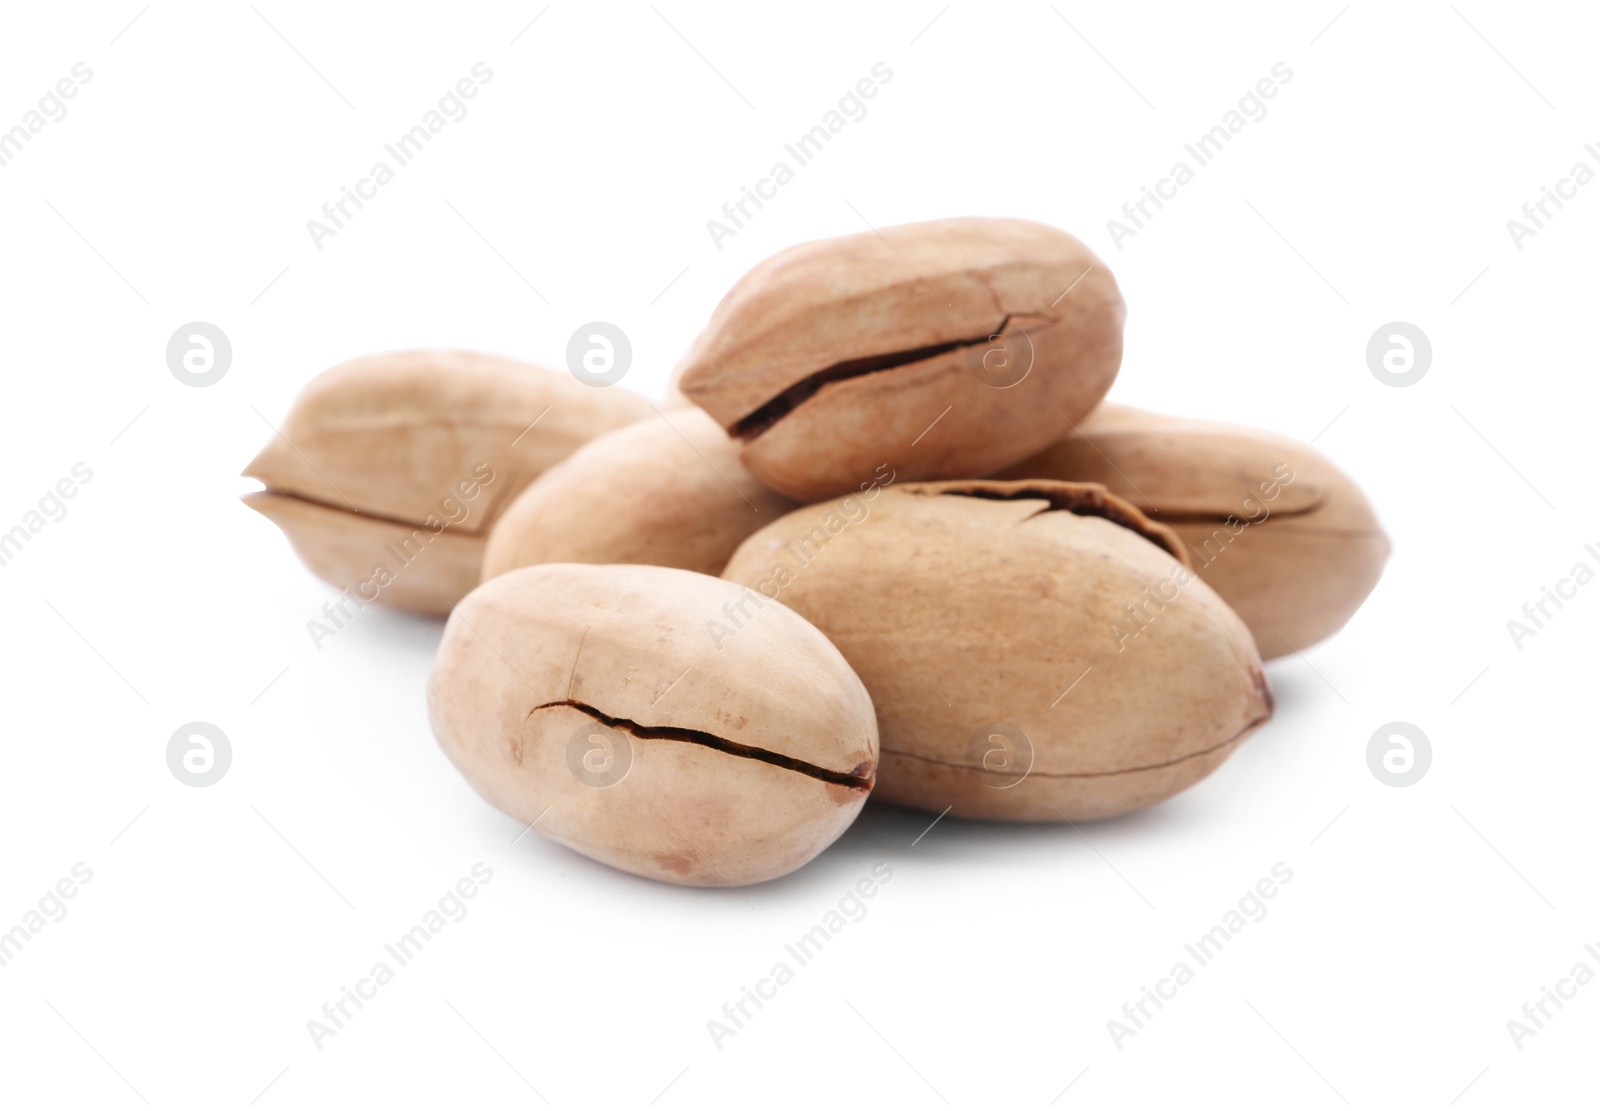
(669, 490)
(664, 722)
(1035, 650)
(384, 457)
(938, 350)
(1277, 530)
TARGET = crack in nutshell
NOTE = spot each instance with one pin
(1082, 500)
(768, 414)
(1212, 516)
(982, 278)
(1087, 775)
(860, 777)
(1330, 533)
(358, 514)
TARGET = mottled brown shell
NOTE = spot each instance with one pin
(668, 490)
(944, 349)
(664, 722)
(1281, 533)
(389, 469)
(1035, 650)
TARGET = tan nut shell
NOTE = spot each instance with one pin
(411, 567)
(967, 605)
(1296, 574)
(740, 757)
(669, 491)
(366, 471)
(674, 397)
(823, 316)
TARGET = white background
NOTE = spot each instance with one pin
(217, 923)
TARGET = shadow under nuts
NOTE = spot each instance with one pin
(1282, 534)
(596, 703)
(668, 491)
(1035, 651)
(938, 350)
(389, 469)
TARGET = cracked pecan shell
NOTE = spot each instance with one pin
(389, 469)
(1035, 650)
(665, 722)
(1287, 539)
(942, 350)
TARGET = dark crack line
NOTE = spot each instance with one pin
(1081, 499)
(721, 744)
(763, 418)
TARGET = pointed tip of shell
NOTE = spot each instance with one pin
(1264, 689)
(265, 464)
